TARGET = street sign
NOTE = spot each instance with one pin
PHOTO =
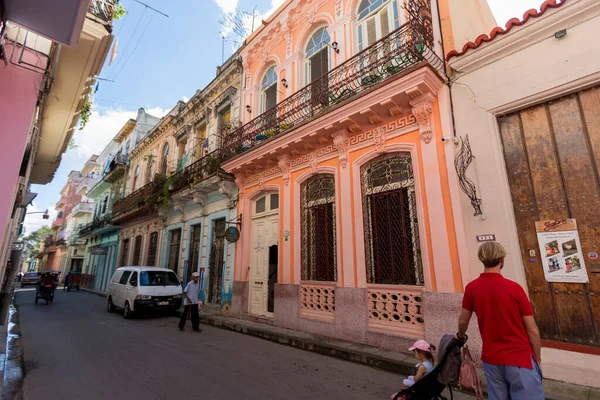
(232, 234)
(99, 251)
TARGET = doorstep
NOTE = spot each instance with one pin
(387, 360)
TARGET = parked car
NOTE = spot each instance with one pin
(30, 279)
(138, 289)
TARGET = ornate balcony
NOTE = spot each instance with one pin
(198, 179)
(408, 48)
(103, 9)
(95, 226)
(116, 169)
(143, 201)
(81, 209)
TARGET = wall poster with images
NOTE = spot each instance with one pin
(561, 253)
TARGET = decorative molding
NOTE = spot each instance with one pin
(226, 188)
(393, 108)
(422, 109)
(285, 166)
(351, 124)
(240, 181)
(342, 143)
(371, 115)
(261, 181)
(379, 139)
(312, 162)
(201, 199)
(339, 7)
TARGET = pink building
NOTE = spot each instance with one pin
(46, 74)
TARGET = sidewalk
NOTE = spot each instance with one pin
(369, 355)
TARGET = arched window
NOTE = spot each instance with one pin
(268, 88)
(317, 205)
(317, 55)
(375, 20)
(136, 174)
(165, 157)
(391, 226)
(149, 169)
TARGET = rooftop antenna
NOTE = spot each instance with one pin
(152, 8)
(236, 22)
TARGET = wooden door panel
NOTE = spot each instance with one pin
(556, 146)
(524, 208)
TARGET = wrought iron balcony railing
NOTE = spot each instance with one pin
(406, 47)
(94, 225)
(147, 195)
(103, 9)
(196, 172)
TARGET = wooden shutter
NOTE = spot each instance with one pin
(385, 22)
(371, 32)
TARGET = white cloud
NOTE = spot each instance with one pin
(227, 6)
(275, 4)
(185, 99)
(506, 9)
(33, 222)
(102, 127)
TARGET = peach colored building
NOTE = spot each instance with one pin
(528, 98)
(346, 190)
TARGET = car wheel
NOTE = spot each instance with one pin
(127, 313)
(111, 306)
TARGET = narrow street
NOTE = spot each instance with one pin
(74, 349)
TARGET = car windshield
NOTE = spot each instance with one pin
(158, 278)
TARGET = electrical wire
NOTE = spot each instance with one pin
(135, 48)
(130, 40)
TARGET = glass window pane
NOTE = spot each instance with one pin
(274, 201)
(261, 205)
(270, 78)
(317, 41)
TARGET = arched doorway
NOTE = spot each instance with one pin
(264, 253)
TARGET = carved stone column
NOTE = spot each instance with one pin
(422, 109)
(341, 143)
(285, 165)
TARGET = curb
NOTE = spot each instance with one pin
(323, 346)
(13, 373)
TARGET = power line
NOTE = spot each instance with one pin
(129, 41)
(135, 48)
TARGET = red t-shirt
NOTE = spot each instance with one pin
(500, 305)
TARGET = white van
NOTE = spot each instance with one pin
(144, 288)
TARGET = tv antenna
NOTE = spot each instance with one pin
(236, 22)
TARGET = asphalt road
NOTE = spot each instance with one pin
(75, 349)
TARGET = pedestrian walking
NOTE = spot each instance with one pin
(511, 339)
(191, 302)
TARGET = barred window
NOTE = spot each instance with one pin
(152, 249)
(317, 205)
(392, 248)
(125, 252)
(137, 250)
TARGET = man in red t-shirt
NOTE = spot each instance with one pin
(511, 339)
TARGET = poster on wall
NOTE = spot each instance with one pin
(561, 253)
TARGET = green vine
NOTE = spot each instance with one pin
(167, 190)
(85, 114)
(119, 11)
(72, 145)
(212, 164)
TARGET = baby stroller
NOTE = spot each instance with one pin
(431, 386)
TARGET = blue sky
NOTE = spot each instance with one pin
(160, 61)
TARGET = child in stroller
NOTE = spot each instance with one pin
(423, 352)
(431, 385)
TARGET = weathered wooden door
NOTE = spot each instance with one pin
(552, 154)
(194, 252)
(217, 256)
(174, 247)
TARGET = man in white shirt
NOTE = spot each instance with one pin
(191, 301)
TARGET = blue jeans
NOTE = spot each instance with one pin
(515, 383)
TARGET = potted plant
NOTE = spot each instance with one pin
(271, 132)
(260, 136)
(212, 164)
(285, 125)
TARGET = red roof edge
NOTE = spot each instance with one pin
(533, 13)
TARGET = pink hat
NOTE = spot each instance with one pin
(421, 345)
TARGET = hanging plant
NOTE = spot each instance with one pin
(85, 114)
(119, 11)
(212, 164)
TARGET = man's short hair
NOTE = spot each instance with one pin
(491, 253)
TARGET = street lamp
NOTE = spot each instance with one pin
(45, 216)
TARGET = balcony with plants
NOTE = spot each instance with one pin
(408, 49)
(107, 10)
(97, 226)
(144, 201)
